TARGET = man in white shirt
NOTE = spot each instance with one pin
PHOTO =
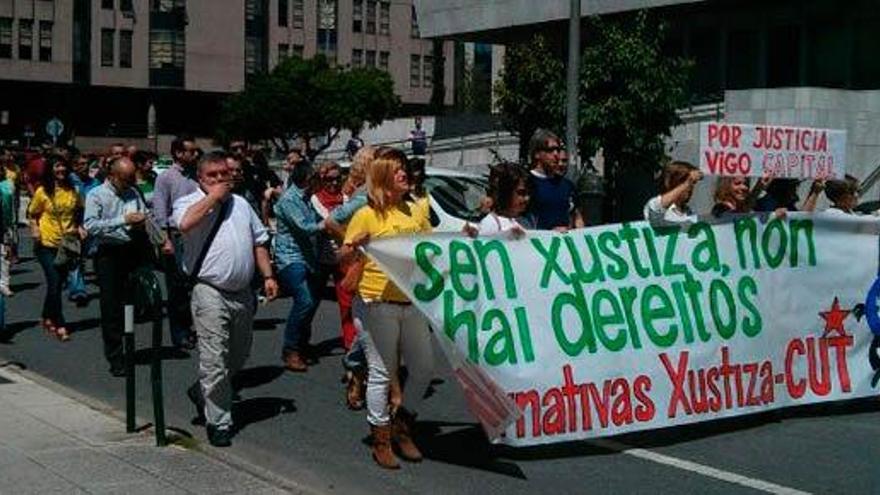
(224, 242)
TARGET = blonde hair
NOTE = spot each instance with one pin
(724, 191)
(380, 176)
(357, 173)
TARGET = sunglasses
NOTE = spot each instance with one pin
(336, 179)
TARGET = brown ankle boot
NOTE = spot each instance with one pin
(382, 453)
(401, 434)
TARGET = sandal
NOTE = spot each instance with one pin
(49, 327)
(62, 334)
(354, 392)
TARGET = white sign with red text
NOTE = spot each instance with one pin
(756, 150)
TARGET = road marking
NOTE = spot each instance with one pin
(720, 474)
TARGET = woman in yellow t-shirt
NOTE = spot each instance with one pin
(393, 327)
(55, 210)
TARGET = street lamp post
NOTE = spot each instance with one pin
(571, 107)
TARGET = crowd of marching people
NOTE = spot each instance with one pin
(227, 232)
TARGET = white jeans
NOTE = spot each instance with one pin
(223, 322)
(4, 266)
(392, 331)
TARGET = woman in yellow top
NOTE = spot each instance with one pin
(393, 327)
(55, 210)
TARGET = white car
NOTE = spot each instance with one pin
(455, 197)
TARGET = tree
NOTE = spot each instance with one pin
(629, 93)
(531, 91)
(308, 100)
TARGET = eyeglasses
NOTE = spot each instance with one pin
(553, 149)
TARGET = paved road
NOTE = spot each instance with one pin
(297, 427)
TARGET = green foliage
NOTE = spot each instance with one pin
(629, 91)
(531, 92)
(306, 99)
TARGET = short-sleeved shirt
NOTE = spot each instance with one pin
(656, 214)
(229, 263)
(552, 201)
(410, 218)
(57, 214)
(494, 223)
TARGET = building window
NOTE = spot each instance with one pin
(357, 58)
(428, 71)
(5, 37)
(357, 16)
(783, 56)
(371, 16)
(371, 58)
(415, 71)
(126, 6)
(414, 24)
(26, 39)
(743, 58)
(166, 5)
(167, 49)
(107, 47)
(125, 48)
(283, 51)
(327, 29)
(383, 60)
(282, 12)
(298, 51)
(253, 9)
(253, 55)
(107, 4)
(298, 16)
(385, 18)
(45, 41)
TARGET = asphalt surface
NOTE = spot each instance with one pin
(296, 425)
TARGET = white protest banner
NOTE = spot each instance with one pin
(626, 327)
(756, 149)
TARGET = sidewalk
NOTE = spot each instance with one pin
(50, 443)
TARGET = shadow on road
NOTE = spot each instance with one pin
(12, 329)
(84, 325)
(466, 446)
(24, 286)
(327, 347)
(264, 324)
(166, 353)
(256, 376)
(258, 409)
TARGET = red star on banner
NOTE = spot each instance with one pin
(834, 319)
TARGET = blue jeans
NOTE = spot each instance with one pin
(303, 286)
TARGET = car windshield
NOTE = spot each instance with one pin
(458, 196)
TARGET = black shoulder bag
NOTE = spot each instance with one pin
(197, 266)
